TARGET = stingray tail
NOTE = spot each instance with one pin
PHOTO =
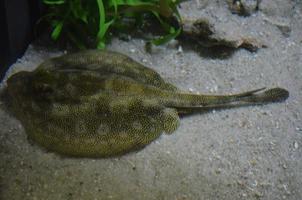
(258, 96)
(267, 96)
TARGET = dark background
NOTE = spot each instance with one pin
(17, 22)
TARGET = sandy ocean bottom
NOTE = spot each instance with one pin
(244, 153)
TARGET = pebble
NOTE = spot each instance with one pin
(258, 194)
(298, 129)
(255, 183)
(285, 187)
(179, 50)
(296, 145)
(218, 171)
(214, 89)
(277, 125)
(183, 71)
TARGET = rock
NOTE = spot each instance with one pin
(243, 7)
(283, 24)
(212, 25)
(205, 34)
(277, 7)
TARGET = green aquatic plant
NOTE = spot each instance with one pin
(88, 23)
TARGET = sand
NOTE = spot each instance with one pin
(243, 153)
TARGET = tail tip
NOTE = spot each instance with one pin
(277, 94)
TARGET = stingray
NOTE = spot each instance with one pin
(99, 103)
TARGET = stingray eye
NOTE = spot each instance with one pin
(43, 88)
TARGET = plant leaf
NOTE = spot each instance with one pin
(103, 26)
(166, 38)
(57, 30)
(53, 2)
(101, 31)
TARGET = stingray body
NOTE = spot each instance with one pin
(101, 103)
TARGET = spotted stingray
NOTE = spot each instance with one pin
(100, 103)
